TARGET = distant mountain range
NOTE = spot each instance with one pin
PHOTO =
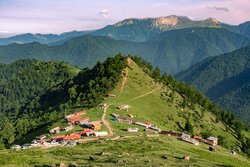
(225, 79)
(133, 29)
(50, 39)
(173, 51)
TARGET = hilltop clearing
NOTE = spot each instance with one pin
(144, 103)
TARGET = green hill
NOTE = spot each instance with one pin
(225, 79)
(173, 51)
(160, 100)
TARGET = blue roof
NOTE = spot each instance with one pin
(115, 119)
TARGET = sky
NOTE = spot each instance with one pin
(58, 16)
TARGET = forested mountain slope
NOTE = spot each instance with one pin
(173, 51)
(225, 79)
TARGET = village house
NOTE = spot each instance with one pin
(90, 134)
(96, 126)
(148, 123)
(170, 133)
(72, 137)
(101, 133)
(197, 137)
(111, 95)
(115, 119)
(115, 115)
(68, 116)
(93, 122)
(155, 128)
(68, 128)
(123, 107)
(214, 140)
(87, 131)
(58, 138)
(81, 113)
(190, 140)
(125, 121)
(41, 137)
(131, 115)
(84, 120)
(74, 119)
(141, 124)
(132, 129)
(55, 130)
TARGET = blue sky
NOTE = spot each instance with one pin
(57, 16)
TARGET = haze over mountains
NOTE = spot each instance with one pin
(174, 43)
(132, 29)
(173, 51)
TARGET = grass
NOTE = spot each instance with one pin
(149, 101)
(137, 151)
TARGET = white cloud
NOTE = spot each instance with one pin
(224, 9)
(105, 13)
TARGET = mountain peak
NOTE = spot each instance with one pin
(171, 20)
(212, 19)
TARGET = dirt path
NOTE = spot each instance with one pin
(106, 122)
(125, 78)
(144, 94)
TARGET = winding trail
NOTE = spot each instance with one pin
(144, 94)
(111, 133)
(125, 78)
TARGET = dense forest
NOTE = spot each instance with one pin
(40, 94)
(224, 79)
(173, 51)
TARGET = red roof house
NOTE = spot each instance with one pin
(74, 118)
(72, 137)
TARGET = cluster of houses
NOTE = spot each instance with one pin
(89, 129)
(213, 141)
(128, 119)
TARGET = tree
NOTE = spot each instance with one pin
(189, 127)
(156, 73)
